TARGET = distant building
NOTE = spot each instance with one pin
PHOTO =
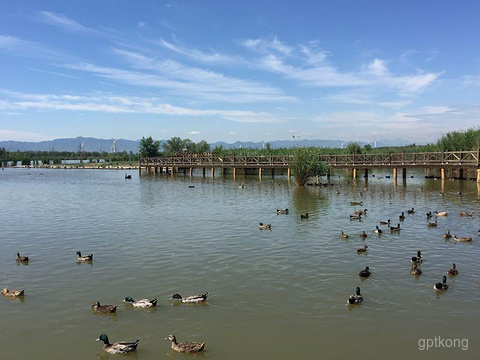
(71, 162)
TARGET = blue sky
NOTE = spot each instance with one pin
(247, 70)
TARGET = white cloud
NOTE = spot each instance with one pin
(19, 135)
(193, 132)
(266, 45)
(378, 67)
(141, 24)
(63, 22)
(55, 73)
(31, 49)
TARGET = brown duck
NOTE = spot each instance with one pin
(106, 309)
(185, 347)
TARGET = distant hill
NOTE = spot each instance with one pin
(94, 144)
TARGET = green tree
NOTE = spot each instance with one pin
(149, 147)
(203, 147)
(367, 148)
(173, 146)
(354, 148)
(304, 164)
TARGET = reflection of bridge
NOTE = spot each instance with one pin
(451, 160)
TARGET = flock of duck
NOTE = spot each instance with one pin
(123, 347)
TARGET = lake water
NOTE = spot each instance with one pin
(276, 294)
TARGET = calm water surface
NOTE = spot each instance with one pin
(276, 294)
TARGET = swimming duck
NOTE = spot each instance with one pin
(144, 303)
(462, 239)
(356, 217)
(343, 235)
(190, 299)
(191, 186)
(360, 212)
(411, 211)
(355, 299)
(395, 228)
(22, 258)
(432, 224)
(84, 258)
(106, 309)
(304, 216)
(415, 270)
(353, 203)
(279, 211)
(365, 273)
(402, 217)
(441, 286)
(453, 271)
(447, 235)
(363, 235)
(362, 250)
(465, 214)
(118, 347)
(14, 293)
(417, 259)
(441, 213)
(385, 222)
(378, 230)
(429, 215)
(128, 176)
(261, 226)
(186, 347)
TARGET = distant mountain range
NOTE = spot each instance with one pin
(94, 144)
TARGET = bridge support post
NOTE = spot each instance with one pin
(203, 171)
(366, 174)
(289, 173)
(191, 171)
(234, 174)
(273, 173)
(213, 172)
(354, 173)
(478, 175)
(260, 173)
(139, 170)
(460, 174)
(404, 173)
(329, 174)
(394, 173)
(155, 170)
(442, 173)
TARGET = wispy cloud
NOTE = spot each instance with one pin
(122, 104)
(267, 45)
(194, 132)
(64, 22)
(18, 135)
(25, 48)
(55, 73)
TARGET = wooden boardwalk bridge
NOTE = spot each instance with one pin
(443, 161)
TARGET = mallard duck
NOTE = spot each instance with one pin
(262, 226)
(395, 228)
(190, 299)
(22, 258)
(441, 286)
(280, 211)
(453, 271)
(378, 230)
(447, 235)
(356, 217)
(143, 303)
(14, 293)
(343, 235)
(304, 216)
(402, 216)
(470, 214)
(363, 235)
(360, 212)
(432, 224)
(411, 211)
(186, 347)
(354, 203)
(462, 239)
(355, 299)
(106, 309)
(84, 258)
(429, 215)
(365, 273)
(118, 347)
(362, 250)
(417, 259)
(385, 222)
(441, 213)
(415, 270)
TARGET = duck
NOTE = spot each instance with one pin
(186, 347)
(360, 212)
(190, 299)
(13, 293)
(143, 303)
(106, 309)
(402, 216)
(441, 213)
(378, 230)
(191, 186)
(417, 259)
(429, 215)
(462, 239)
(359, 203)
(128, 176)
(432, 224)
(355, 299)
(447, 235)
(453, 271)
(118, 347)
(411, 211)
(84, 258)
(262, 226)
(241, 186)
(362, 250)
(415, 270)
(363, 235)
(441, 286)
(280, 211)
(365, 273)
(385, 222)
(343, 235)
(304, 216)
(395, 228)
(22, 258)
(465, 214)
(356, 217)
